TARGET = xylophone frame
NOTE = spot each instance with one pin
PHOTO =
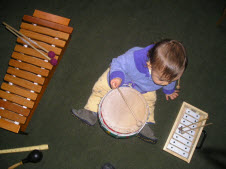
(198, 131)
(47, 21)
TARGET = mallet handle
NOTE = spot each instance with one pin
(24, 36)
(195, 128)
(28, 43)
(178, 84)
(15, 165)
(22, 149)
(139, 123)
(195, 122)
(20, 35)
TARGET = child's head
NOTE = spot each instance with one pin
(168, 61)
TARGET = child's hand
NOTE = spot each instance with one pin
(172, 96)
(115, 83)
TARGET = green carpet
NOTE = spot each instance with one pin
(104, 29)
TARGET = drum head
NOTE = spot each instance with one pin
(117, 116)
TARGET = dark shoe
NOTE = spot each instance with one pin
(86, 116)
(147, 134)
(107, 166)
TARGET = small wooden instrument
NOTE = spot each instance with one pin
(23, 149)
(29, 72)
(186, 132)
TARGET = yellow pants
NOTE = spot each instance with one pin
(101, 88)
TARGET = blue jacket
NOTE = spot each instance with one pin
(131, 67)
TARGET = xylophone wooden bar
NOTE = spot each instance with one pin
(14, 108)
(47, 23)
(51, 17)
(29, 72)
(13, 116)
(55, 49)
(19, 91)
(32, 60)
(23, 83)
(182, 145)
(40, 29)
(43, 38)
(32, 52)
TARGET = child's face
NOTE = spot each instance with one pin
(159, 79)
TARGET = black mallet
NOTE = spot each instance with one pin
(34, 156)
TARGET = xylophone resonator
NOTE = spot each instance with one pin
(186, 132)
(29, 72)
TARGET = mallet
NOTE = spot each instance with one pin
(185, 131)
(34, 157)
(181, 128)
(178, 84)
(51, 54)
(139, 123)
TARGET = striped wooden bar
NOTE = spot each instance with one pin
(29, 72)
(55, 49)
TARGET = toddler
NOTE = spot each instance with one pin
(144, 69)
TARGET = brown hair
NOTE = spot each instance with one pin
(169, 57)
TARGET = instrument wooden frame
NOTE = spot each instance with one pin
(56, 38)
(198, 131)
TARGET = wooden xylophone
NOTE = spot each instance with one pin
(29, 72)
(182, 143)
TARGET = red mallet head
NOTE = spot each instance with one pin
(53, 62)
(51, 54)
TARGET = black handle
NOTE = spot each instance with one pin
(203, 139)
